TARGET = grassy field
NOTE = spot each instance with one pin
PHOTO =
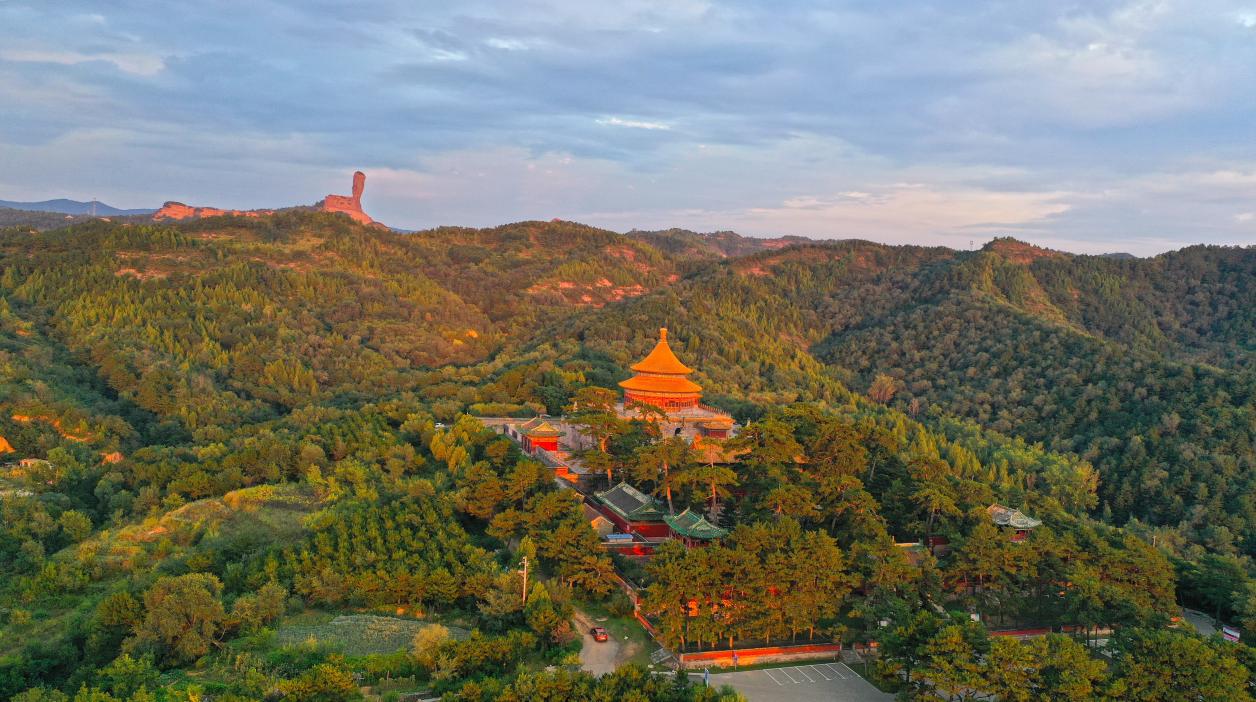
(353, 634)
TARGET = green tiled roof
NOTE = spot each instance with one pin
(631, 504)
(1006, 516)
(694, 526)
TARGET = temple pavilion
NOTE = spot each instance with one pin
(1013, 520)
(660, 380)
(539, 433)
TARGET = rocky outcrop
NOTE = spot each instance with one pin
(350, 205)
(178, 210)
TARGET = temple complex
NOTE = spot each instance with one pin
(630, 521)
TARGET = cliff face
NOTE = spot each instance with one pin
(350, 205)
(178, 210)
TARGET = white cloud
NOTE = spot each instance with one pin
(1098, 70)
(135, 63)
(507, 44)
(632, 123)
(903, 213)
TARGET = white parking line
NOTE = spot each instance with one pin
(835, 670)
(785, 672)
(848, 670)
(778, 682)
(820, 671)
(804, 674)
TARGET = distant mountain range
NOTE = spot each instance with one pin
(73, 207)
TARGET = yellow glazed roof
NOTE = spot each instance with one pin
(662, 360)
(655, 383)
(543, 429)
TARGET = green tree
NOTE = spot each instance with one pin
(325, 682)
(1063, 670)
(713, 478)
(183, 617)
(662, 461)
(251, 612)
(1157, 665)
(952, 667)
(75, 525)
(126, 676)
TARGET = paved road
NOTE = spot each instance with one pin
(808, 682)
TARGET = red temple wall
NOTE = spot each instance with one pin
(652, 529)
(547, 443)
(663, 402)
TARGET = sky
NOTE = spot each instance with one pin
(1088, 126)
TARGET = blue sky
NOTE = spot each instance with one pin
(1087, 126)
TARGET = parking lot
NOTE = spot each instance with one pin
(806, 682)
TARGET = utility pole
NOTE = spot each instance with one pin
(525, 581)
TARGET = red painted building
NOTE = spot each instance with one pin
(539, 434)
(633, 512)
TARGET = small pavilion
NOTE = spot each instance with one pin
(539, 434)
(1013, 519)
(693, 529)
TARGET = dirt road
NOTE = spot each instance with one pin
(603, 657)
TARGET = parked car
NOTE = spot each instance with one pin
(599, 634)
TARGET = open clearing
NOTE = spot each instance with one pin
(356, 634)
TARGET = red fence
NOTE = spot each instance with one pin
(762, 654)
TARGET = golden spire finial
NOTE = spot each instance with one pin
(662, 333)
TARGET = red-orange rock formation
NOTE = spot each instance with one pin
(350, 205)
(178, 210)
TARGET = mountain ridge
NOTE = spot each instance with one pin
(74, 207)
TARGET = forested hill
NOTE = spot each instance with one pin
(686, 244)
(256, 421)
(1142, 366)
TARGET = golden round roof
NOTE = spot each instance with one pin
(660, 384)
(662, 360)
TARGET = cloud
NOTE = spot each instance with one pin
(896, 120)
(633, 123)
(906, 213)
(136, 63)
